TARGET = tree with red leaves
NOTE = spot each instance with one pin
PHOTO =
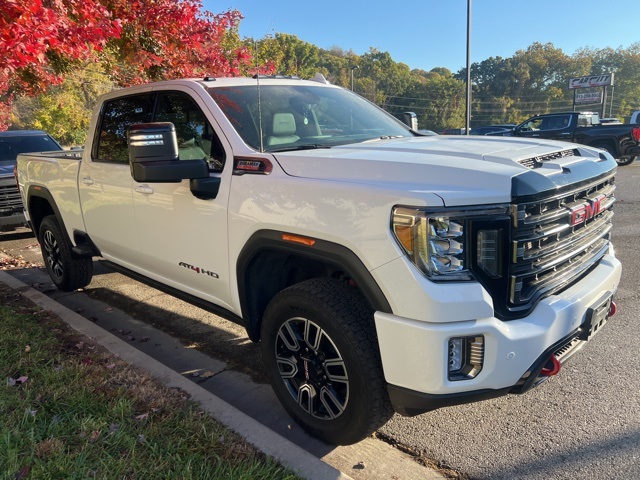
(133, 41)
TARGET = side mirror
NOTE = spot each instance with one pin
(153, 155)
(411, 120)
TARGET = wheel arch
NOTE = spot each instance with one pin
(609, 142)
(268, 264)
(40, 204)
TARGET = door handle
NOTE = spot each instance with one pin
(88, 181)
(146, 189)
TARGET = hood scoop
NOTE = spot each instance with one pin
(537, 161)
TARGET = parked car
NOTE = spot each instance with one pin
(11, 144)
(453, 131)
(493, 129)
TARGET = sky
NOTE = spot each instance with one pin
(426, 34)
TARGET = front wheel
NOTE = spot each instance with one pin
(67, 271)
(320, 351)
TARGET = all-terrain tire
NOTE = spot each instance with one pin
(321, 353)
(67, 271)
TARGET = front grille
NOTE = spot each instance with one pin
(555, 240)
(10, 201)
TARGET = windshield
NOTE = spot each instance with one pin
(302, 116)
(11, 146)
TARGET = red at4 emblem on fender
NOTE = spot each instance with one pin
(586, 211)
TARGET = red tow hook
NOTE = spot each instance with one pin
(613, 309)
(555, 367)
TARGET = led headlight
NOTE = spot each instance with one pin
(437, 242)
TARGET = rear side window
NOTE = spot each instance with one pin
(117, 116)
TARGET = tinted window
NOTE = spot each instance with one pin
(117, 116)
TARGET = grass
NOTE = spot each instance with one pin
(71, 410)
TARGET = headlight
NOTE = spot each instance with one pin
(439, 242)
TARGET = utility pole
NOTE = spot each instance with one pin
(468, 118)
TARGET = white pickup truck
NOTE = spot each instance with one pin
(380, 270)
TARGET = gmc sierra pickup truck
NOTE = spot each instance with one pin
(13, 143)
(380, 270)
(621, 141)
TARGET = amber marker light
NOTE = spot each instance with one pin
(296, 239)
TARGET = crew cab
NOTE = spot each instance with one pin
(379, 269)
(621, 141)
(13, 143)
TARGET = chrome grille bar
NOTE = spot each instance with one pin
(555, 240)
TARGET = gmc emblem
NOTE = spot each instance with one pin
(586, 211)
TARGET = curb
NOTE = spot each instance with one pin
(265, 440)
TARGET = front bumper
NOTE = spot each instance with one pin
(11, 209)
(414, 352)
(16, 218)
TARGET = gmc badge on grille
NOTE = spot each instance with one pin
(586, 211)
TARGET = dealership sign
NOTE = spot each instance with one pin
(591, 81)
(589, 97)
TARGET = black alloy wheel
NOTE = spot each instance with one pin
(321, 353)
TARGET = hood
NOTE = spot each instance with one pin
(458, 169)
(6, 168)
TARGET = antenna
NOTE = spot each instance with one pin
(255, 46)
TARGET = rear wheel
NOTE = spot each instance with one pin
(625, 161)
(67, 271)
(609, 149)
(320, 351)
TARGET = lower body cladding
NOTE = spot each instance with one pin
(428, 365)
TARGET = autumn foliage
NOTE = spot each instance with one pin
(133, 41)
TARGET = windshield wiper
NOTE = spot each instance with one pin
(306, 146)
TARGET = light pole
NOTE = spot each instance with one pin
(355, 67)
(468, 119)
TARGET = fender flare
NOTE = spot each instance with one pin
(321, 251)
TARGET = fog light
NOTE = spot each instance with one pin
(465, 357)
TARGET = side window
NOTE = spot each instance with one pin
(117, 116)
(196, 138)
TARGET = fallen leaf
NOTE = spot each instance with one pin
(143, 416)
(111, 366)
(108, 309)
(22, 379)
(22, 473)
(145, 339)
(94, 436)
(11, 382)
(141, 438)
(207, 374)
(27, 349)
